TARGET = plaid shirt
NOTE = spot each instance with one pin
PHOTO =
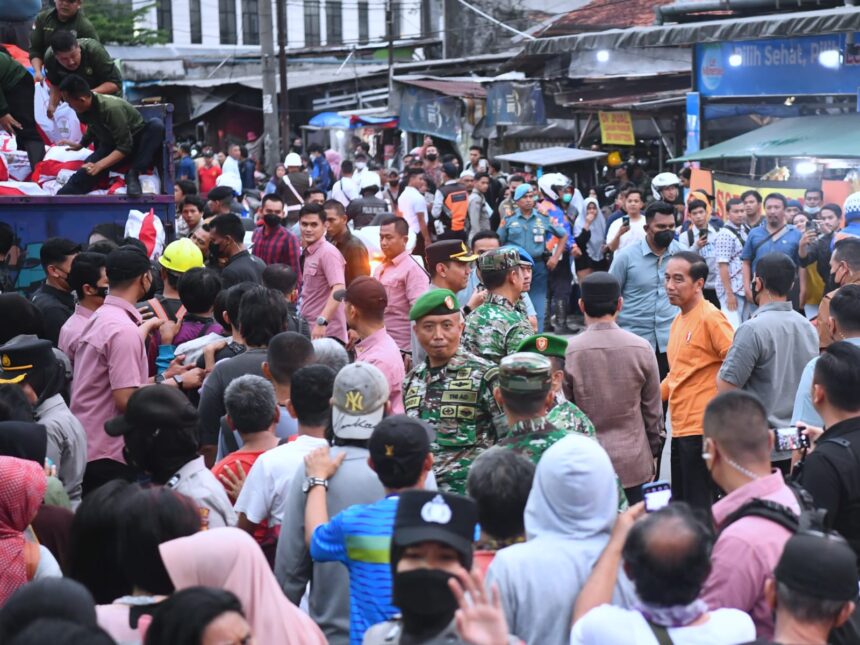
(277, 246)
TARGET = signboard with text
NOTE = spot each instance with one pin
(778, 67)
(515, 103)
(616, 128)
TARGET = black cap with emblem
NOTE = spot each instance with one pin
(429, 516)
(23, 355)
(398, 448)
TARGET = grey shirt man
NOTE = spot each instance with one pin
(196, 481)
(67, 444)
(767, 358)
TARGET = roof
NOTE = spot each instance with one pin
(805, 23)
(833, 136)
(448, 87)
(604, 14)
(554, 156)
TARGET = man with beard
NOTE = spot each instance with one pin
(272, 243)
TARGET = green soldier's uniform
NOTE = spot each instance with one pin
(48, 22)
(111, 121)
(456, 399)
(96, 66)
(11, 73)
(532, 437)
(496, 328)
(565, 416)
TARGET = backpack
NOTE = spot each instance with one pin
(810, 518)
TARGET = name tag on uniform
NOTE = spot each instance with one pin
(538, 238)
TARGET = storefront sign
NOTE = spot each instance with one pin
(694, 129)
(616, 128)
(428, 112)
(781, 67)
(727, 187)
(511, 103)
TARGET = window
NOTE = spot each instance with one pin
(363, 23)
(396, 19)
(194, 22)
(334, 22)
(164, 18)
(250, 22)
(227, 21)
(312, 23)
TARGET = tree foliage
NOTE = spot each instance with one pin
(118, 23)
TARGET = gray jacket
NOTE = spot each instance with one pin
(328, 601)
(67, 444)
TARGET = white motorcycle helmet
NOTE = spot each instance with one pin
(552, 184)
(663, 180)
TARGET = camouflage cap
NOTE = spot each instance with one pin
(436, 302)
(499, 259)
(525, 373)
(545, 344)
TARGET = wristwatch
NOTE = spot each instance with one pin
(310, 482)
(159, 379)
(178, 380)
(321, 321)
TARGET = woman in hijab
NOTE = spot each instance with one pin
(199, 615)
(59, 598)
(228, 558)
(22, 489)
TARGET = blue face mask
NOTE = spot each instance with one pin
(566, 198)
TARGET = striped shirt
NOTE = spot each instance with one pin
(360, 538)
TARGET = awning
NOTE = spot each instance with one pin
(457, 88)
(805, 23)
(554, 156)
(347, 120)
(835, 136)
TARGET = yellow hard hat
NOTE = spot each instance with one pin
(614, 159)
(181, 255)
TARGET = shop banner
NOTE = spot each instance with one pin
(821, 64)
(616, 128)
(427, 112)
(726, 187)
(510, 103)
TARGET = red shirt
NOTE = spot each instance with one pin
(247, 459)
(208, 177)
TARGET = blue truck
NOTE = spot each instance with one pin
(35, 219)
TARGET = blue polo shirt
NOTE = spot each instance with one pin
(360, 538)
(646, 311)
(787, 243)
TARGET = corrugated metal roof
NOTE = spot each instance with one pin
(458, 88)
(553, 156)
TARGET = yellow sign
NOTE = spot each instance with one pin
(725, 190)
(616, 128)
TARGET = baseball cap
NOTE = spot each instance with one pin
(819, 565)
(428, 516)
(358, 400)
(525, 257)
(364, 292)
(521, 191)
(499, 259)
(448, 250)
(399, 445)
(525, 373)
(220, 192)
(126, 263)
(151, 410)
(600, 287)
(22, 355)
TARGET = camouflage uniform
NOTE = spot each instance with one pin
(457, 400)
(532, 437)
(564, 415)
(495, 329)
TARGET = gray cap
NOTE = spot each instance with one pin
(358, 400)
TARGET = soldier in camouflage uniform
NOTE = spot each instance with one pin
(452, 390)
(496, 328)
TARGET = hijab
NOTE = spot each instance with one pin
(23, 440)
(22, 488)
(229, 558)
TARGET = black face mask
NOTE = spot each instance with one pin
(102, 292)
(424, 598)
(272, 220)
(214, 251)
(150, 292)
(432, 157)
(663, 239)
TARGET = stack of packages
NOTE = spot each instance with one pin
(60, 163)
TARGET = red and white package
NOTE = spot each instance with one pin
(64, 126)
(20, 189)
(57, 159)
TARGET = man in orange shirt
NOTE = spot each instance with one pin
(699, 339)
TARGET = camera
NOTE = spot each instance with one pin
(790, 439)
(656, 495)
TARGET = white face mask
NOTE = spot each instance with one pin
(360, 165)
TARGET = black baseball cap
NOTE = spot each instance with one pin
(126, 263)
(429, 516)
(823, 566)
(152, 409)
(219, 193)
(399, 444)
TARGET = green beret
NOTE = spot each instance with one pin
(545, 344)
(499, 259)
(436, 302)
(525, 372)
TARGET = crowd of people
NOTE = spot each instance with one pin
(266, 433)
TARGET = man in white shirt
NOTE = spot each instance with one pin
(345, 189)
(413, 208)
(231, 163)
(264, 494)
(667, 555)
(630, 228)
(701, 239)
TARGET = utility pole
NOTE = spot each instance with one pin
(389, 32)
(282, 68)
(271, 136)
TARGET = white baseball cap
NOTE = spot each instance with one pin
(358, 400)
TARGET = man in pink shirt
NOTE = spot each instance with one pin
(87, 278)
(737, 448)
(110, 364)
(323, 273)
(366, 300)
(403, 278)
